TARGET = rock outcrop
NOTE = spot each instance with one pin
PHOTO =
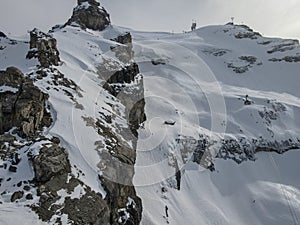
(88, 208)
(51, 161)
(123, 49)
(124, 39)
(89, 14)
(2, 35)
(125, 75)
(44, 47)
(126, 84)
(53, 174)
(247, 33)
(22, 105)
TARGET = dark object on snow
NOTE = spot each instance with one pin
(169, 122)
(12, 169)
(2, 34)
(247, 102)
(16, 195)
(193, 27)
(156, 62)
(166, 209)
(163, 190)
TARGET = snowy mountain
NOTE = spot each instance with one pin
(199, 81)
(101, 124)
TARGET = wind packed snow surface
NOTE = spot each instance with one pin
(219, 92)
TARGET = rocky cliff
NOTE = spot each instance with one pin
(127, 86)
(22, 105)
(44, 47)
(89, 14)
(56, 185)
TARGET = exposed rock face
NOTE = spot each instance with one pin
(244, 63)
(247, 33)
(17, 195)
(22, 104)
(2, 35)
(134, 102)
(89, 14)
(50, 162)
(124, 39)
(44, 47)
(126, 84)
(125, 75)
(285, 45)
(123, 50)
(53, 174)
(92, 207)
(287, 59)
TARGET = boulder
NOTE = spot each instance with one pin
(16, 195)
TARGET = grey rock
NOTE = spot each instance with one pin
(12, 169)
(287, 59)
(247, 33)
(89, 209)
(122, 76)
(118, 152)
(16, 195)
(89, 14)
(250, 59)
(26, 188)
(25, 108)
(7, 138)
(124, 38)
(285, 45)
(124, 52)
(50, 162)
(2, 35)
(159, 61)
(29, 197)
(44, 47)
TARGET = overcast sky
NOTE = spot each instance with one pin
(270, 17)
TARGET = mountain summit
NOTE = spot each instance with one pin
(89, 14)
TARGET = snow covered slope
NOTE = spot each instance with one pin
(225, 92)
(91, 123)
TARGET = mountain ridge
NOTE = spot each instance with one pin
(123, 100)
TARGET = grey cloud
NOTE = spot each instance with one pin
(270, 17)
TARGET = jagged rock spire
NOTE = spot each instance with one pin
(89, 14)
(44, 47)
